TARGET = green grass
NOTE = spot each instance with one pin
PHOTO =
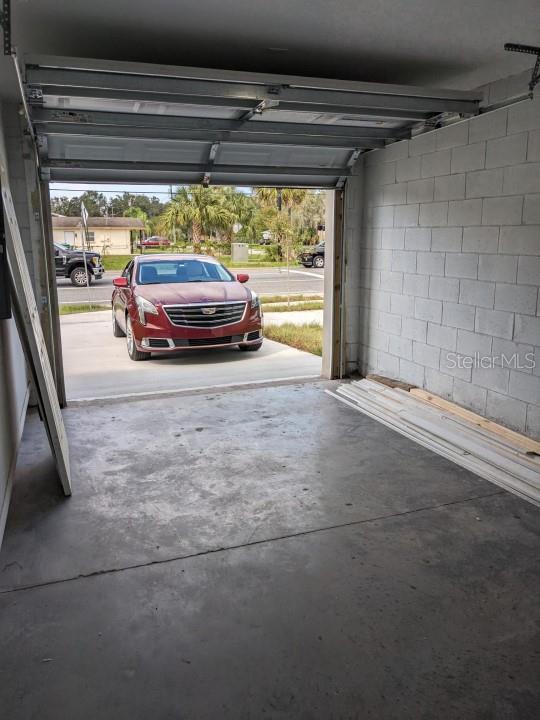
(283, 298)
(302, 337)
(283, 307)
(115, 262)
(250, 262)
(119, 262)
(71, 308)
(253, 264)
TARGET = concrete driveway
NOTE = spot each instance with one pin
(97, 365)
(296, 317)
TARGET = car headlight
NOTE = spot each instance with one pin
(255, 301)
(144, 307)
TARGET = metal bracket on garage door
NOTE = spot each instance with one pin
(31, 335)
(528, 50)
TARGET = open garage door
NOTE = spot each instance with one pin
(30, 330)
(99, 121)
(125, 122)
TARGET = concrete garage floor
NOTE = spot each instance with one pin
(266, 553)
(97, 365)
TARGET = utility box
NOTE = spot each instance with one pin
(239, 252)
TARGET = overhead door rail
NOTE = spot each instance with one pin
(230, 86)
(88, 112)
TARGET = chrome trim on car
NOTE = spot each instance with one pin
(194, 316)
(146, 343)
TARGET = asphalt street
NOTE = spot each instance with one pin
(262, 280)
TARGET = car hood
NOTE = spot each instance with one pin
(79, 253)
(183, 293)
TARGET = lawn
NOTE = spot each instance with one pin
(300, 297)
(303, 337)
(253, 262)
(115, 262)
(119, 262)
(284, 307)
(71, 308)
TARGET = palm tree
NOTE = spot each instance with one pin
(277, 197)
(240, 204)
(199, 210)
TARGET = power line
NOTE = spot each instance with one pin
(110, 192)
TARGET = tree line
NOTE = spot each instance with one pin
(201, 216)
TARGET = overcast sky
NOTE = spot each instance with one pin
(66, 189)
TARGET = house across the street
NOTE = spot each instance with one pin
(107, 235)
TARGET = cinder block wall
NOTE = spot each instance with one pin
(449, 263)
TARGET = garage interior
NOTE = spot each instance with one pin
(272, 552)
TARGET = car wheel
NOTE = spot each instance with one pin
(250, 348)
(133, 353)
(116, 329)
(78, 277)
(318, 262)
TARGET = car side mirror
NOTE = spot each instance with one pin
(56, 252)
(242, 277)
(120, 282)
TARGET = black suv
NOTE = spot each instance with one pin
(313, 257)
(70, 264)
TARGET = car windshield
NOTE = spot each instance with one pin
(181, 271)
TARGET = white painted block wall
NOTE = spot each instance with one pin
(449, 262)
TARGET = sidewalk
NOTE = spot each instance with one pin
(296, 317)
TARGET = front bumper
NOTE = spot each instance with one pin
(168, 344)
(97, 271)
(160, 335)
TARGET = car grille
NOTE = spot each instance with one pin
(195, 315)
(203, 342)
(255, 335)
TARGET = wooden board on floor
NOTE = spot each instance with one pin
(390, 382)
(474, 447)
(528, 444)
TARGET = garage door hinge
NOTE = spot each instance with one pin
(5, 21)
(34, 95)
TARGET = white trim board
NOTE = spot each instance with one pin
(30, 332)
(4, 506)
(481, 452)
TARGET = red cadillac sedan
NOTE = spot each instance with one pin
(165, 303)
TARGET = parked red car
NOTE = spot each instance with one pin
(165, 303)
(154, 241)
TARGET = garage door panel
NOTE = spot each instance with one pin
(292, 131)
(78, 148)
(156, 107)
(245, 179)
(189, 178)
(283, 155)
